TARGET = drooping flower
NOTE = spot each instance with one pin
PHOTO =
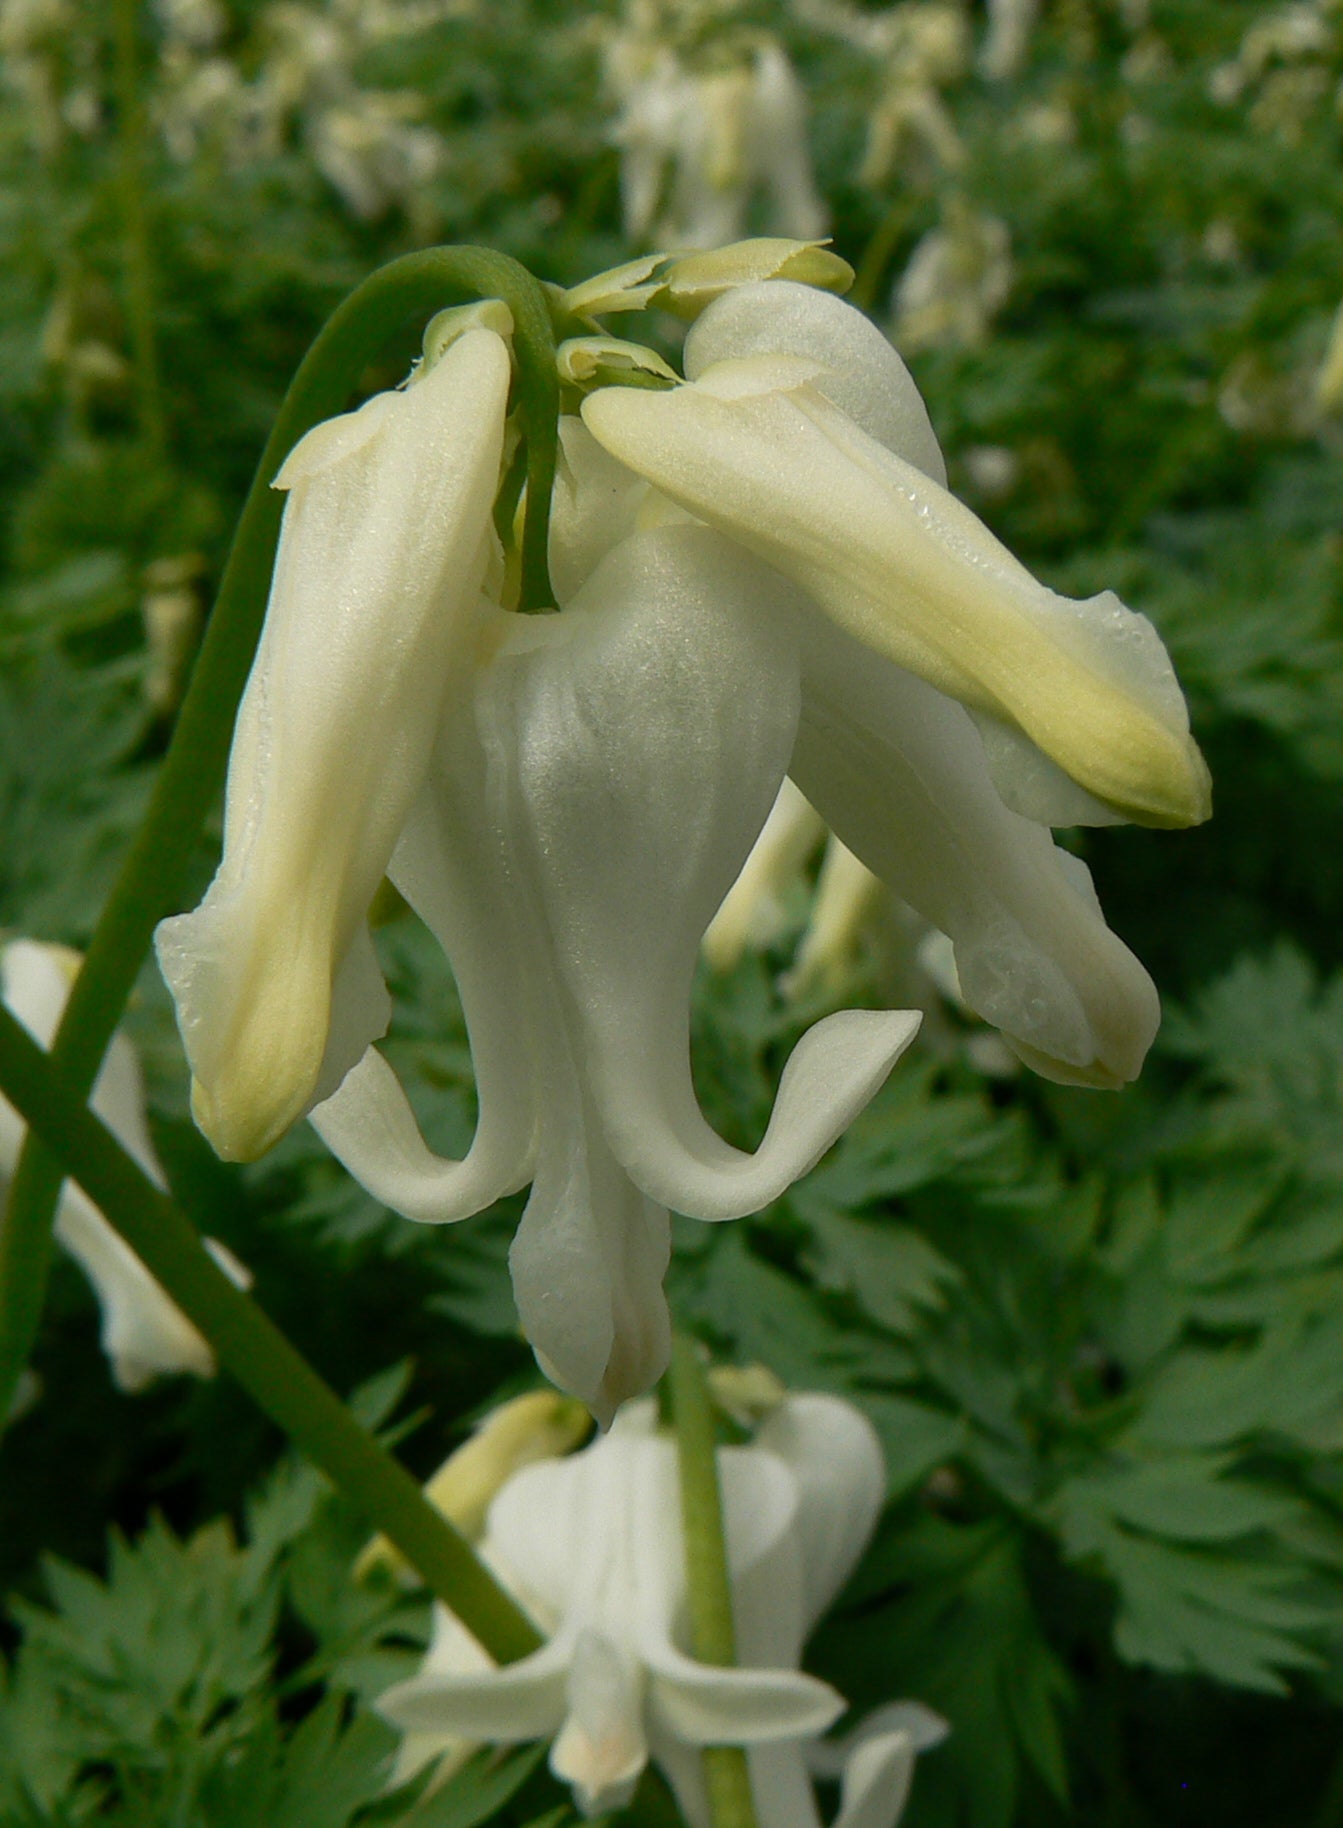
(144, 1333)
(589, 805)
(592, 1545)
(760, 574)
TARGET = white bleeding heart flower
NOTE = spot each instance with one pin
(595, 791)
(144, 1333)
(761, 575)
(592, 1546)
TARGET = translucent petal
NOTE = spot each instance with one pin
(898, 771)
(913, 575)
(862, 374)
(833, 1454)
(384, 543)
(651, 736)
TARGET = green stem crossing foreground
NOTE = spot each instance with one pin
(727, 1776)
(155, 873)
(258, 1354)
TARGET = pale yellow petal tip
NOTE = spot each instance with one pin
(695, 280)
(1175, 798)
(240, 1124)
(1094, 1077)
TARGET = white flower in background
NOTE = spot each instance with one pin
(918, 50)
(1283, 69)
(1008, 39)
(592, 1546)
(144, 1334)
(371, 145)
(761, 574)
(958, 278)
(701, 138)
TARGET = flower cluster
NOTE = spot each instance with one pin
(144, 1333)
(710, 115)
(592, 1545)
(761, 574)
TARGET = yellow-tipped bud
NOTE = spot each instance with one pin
(543, 1425)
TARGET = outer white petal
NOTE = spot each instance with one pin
(385, 540)
(828, 1757)
(704, 1705)
(751, 912)
(448, 865)
(755, 449)
(452, 1651)
(766, 1698)
(652, 734)
(833, 1454)
(861, 373)
(899, 773)
(144, 1333)
(498, 1706)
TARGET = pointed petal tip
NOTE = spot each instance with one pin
(240, 1127)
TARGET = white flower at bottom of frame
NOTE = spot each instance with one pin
(144, 1333)
(592, 1545)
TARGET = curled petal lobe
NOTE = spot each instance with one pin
(910, 573)
(385, 540)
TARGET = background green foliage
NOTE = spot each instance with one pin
(1102, 1337)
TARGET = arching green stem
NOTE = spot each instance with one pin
(727, 1777)
(155, 872)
